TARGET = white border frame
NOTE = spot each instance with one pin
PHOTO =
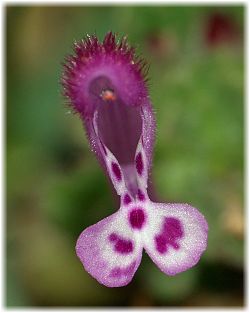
(2, 145)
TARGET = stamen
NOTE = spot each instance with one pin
(108, 95)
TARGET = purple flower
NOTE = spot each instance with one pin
(105, 83)
(220, 29)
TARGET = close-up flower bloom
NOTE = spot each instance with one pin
(106, 84)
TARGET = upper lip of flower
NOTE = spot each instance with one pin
(105, 85)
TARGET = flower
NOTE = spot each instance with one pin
(106, 84)
(220, 29)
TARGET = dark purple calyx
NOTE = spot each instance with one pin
(121, 245)
(137, 218)
(127, 271)
(171, 232)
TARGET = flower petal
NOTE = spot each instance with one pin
(110, 251)
(175, 236)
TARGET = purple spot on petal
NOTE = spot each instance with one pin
(127, 199)
(116, 171)
(121, 245)
(161, 244)
(129, 270)
(172, 230)
(137, 218)
(139, 163)
(118, 272)
(113, 237)
(124, 246)
(141, 195)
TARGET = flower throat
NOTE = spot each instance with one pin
(119, 127)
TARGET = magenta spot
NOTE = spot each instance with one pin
(137, 218)
(161, 244)
(129, 270)
(118, 272)
(139, 163)
(171, 231)
(127, 199)
(141, 195)
(116, 171)
(122, 246)
(113, 237)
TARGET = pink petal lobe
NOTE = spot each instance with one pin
(109, 250)
(175, 237)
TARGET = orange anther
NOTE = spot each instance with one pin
(108, 95)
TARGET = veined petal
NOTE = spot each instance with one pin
(175, 236)
(110, 251)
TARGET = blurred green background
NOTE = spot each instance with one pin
(56, 188)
